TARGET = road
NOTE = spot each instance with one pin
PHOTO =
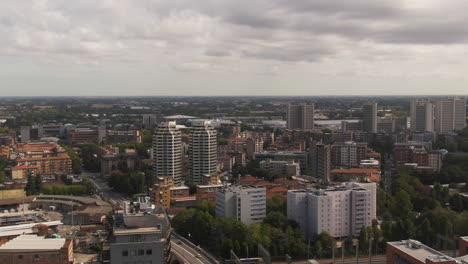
(116, 199)
(189, 252)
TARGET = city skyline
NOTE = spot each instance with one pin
(168, 48)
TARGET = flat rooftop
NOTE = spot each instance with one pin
(33, 243)
(135, 231)
(420, 251)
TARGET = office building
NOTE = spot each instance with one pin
(246, 203)
(369, 117)
(37, 249)
(320, 160)
(286, 168)
(348, 154)
(140, 237)
(422, 116)
(202, 151)
(300, 116)
(167, 152)
(450, 115)
(340, 211)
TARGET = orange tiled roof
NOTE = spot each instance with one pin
(65, 156)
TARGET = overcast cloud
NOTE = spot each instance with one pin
(233, 47)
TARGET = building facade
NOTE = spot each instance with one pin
(300, 116)
(320, 160)
(167, 152)
(341, 211)
(202, 151)
(450, 115)
(369, 117)
(246, 203)
(422, 116)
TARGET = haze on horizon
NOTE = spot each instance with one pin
(227, 47)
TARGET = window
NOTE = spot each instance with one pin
(125, 253)
(149, 252)
(141, 252)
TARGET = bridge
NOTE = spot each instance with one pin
(185, 252)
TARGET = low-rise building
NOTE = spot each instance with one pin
(414, 252)
(140, 237)
(36, 249)
(287, 168)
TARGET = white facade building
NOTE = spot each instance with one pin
(450, 115)
(202, 151)
(167, 152)
(341, 211)
(246, 203)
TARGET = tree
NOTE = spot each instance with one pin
(364, 240)
(40, 229)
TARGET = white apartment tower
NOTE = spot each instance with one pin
(167, 152)
(422, 116)
(450, 115)
(202, 151)
(369, 117)
(340, 211)
(300, 116)
(246, 203)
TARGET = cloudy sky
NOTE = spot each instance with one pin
(233, 47)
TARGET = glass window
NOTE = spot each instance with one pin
(141, 252)
(125, 253)
(149, 252)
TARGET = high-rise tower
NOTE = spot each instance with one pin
(202, 151)
(369, 117)
(167, 152)
(422, 116)
(450, 115)
(301, 116)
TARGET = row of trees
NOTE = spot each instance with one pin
(86, 187)
(128, 182)
(414, 211)
(76, 161)
(220, 234)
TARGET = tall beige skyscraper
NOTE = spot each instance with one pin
(422, 116)
(202, 151)
(167, 152)
(369, 117)
(300, 116)
(450, 114)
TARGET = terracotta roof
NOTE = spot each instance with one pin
(65, 156)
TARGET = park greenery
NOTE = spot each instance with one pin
(86, 187)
